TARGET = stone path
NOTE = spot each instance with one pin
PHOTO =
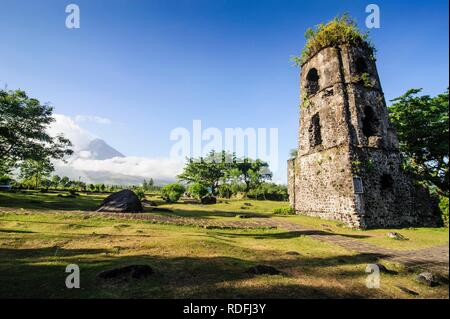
(433, 258)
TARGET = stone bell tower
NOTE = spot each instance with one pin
(348, 162)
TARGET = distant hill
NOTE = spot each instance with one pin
(98, 149)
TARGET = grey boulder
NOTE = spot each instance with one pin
(124, 201)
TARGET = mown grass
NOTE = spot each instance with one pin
(228, 210)
(189, 262)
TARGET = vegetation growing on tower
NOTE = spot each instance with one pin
(341, 30)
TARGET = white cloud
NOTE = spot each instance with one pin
(66, 125)
(117, 170)
(92, 118)
(139, 167)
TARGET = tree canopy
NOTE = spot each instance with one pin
(222, 168)
(23, 130)
(422, 127)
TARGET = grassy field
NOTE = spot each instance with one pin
(41, 233)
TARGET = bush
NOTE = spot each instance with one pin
(172, 192)
(197, 190)
(269, 191)
(284, 211)
(340, 30)
(443, 205)
(225, 191)
(140, 193)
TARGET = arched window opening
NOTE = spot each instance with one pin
(386, 181)
(315, 136)
(361, 66)
(370, 122)
(312, 81)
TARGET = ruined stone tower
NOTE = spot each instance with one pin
(348, 162)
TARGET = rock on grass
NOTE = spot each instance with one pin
(427, 278)
(133, 271)
(263, 270)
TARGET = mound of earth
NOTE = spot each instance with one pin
(124, 201)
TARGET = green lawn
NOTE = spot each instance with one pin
(36, 244)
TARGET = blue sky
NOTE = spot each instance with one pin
(152, 66)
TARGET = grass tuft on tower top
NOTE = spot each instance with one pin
(341, 30)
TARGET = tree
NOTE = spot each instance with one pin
(64, 182)
(422, 127)
(145, 185)
(208, 171)
(23, 134)
(253, 172)
(56, 180)
(35, 171)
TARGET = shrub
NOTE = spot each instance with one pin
(269, 191)
(284, 211)
(172, 192)
(140, 193)
(197, 190)
(340, 30)
(443, 205)
(225, 191)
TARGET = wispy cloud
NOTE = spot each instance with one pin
(92, 118)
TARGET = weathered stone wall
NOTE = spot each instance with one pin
(324, 186)
(344, 134)
(391, 198)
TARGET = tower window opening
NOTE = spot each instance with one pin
(386, 181)
(370, 122)
(312, 81)
(315, 136)
(361, 66)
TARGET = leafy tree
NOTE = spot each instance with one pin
(55, 181)
(64, 182)
(208, 171)
(23, 134)
(422, 127)
(253, 172)
(35, 171)
(172, 192)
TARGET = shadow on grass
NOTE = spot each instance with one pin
(205, 214)
(16, 231)
(293, 234)
(38, 273)
(48, 201)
